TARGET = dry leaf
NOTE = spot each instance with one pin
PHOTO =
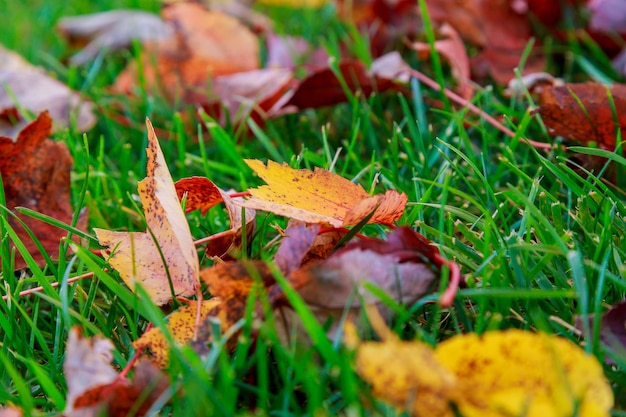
(612, 329)
(111, 30)
(451, 48)
(95, 388)
(500, 374)
(137, 255)
(495, 26)
(583, 112)
(320, 197)
(36, 92)
(205, 44)
(202, 194)
(404, 266)
(181, 325)
(292, 52)
(323, 88)
(87, 366)
(295, 245)
(36, 174)
(545, 375)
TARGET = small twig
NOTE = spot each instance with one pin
(215, 236)
(474, 109)
(240, 194)
(52, 284)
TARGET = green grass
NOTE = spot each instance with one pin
(540, 240)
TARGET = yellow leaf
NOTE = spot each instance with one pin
(407, 375)
(501, 374)
(137, 255)
(515, 372)
(319, 196)
(181, 324)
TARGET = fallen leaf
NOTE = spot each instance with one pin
(181, 325)
(201, 195)
(251, 93)
(87, 366)
(293, 52)
(319, 197)
(36, 92)
(111, 30)
(166, 251)
(451, 48)
(404, 266)
(383, 22)
(583, 112)
(495, 26)
(295, 245)
(545, 375)
(94, 387)
(230, 282)
(503, 373)
(323, 88)
(205, 44)
(36, 175)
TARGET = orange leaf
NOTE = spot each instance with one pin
(205, 44)
(319, 196)
(202, 194)
(137, 255)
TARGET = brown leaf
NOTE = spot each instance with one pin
(320, 197)
(583, 112)
(205, 44)
(94, 387)
(165, 253)
(230, 282)
(36, 92)
(36, 174)
(496, 27)
(612, 328)
(451, 48)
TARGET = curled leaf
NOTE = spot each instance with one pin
(166, 251)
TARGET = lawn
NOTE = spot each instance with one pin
(539, 238)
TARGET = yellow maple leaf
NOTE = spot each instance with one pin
(319, 196)
(166, 251)
(501, 374)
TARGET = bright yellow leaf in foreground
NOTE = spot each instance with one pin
(320, 196)
(501, 374)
